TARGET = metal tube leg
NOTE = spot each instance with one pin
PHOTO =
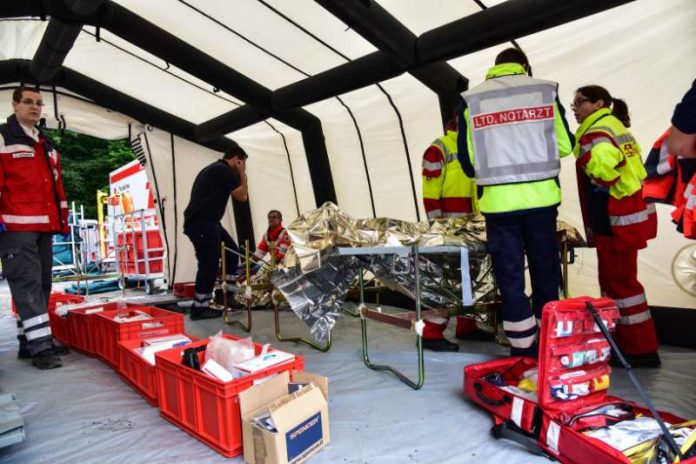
(566, 291)
(226, 308)
(419, 341)
(311, 343)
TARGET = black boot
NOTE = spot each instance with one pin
(439, 344)
(204, 313)
(46, 360)
(649, 360)
(59, 349)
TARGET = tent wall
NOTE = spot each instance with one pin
(176, 161)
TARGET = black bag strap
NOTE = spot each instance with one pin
(510, 431)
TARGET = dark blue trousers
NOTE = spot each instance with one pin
(206, 237)
(509, 239)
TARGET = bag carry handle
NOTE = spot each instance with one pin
(646, 399)
(511, 431)
(478, 387)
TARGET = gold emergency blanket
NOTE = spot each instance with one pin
(314, 279)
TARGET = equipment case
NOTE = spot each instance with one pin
(573, 377)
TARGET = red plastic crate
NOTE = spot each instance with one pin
(137, 372)
(110, 332)
(56, 299)
(205, 407)
(59, 324)
(59, 328)
(83, 327)
(53, 300)
(184, 289)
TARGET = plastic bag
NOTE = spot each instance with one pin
(228, 352)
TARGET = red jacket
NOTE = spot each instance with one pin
(32, 198)
(280, 239)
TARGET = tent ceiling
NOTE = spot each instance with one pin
(136, 68)
(252, 46)
(20, 37)
(243, 47)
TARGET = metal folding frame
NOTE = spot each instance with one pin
(227, 310)
(366, 313)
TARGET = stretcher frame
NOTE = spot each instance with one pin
(366, 313)
(227, 309)
(248, 302)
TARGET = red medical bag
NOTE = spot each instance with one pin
(573, 377)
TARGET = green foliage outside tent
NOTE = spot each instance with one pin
(86, 163)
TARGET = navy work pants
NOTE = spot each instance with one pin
(509, 239)
(206, 237)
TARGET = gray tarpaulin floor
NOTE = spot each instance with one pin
(84, 413)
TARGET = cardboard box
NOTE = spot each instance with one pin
(301, 419)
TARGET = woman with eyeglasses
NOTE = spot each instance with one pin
(618, 222)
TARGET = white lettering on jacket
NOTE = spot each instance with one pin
(515, 115)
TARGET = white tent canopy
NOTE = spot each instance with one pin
(374, 136)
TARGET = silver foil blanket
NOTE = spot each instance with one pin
(314, 278)
(317, 296)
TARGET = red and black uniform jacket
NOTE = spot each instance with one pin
(32, 197)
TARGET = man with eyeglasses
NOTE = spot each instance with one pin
(33, 207)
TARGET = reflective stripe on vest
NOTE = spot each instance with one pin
(447, 153)
(428, 166)
(25, 220)
(513, 130)
(434, 213)
(635, 218)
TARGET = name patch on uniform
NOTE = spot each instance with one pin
(515, 115)
(23, 154)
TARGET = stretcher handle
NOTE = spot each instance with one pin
(478, 387)
(646, 399)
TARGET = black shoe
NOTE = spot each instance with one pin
(649, 360)
(476, 335)
(439, 344)
(46, 360)
(207, 313)
(57, 349)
